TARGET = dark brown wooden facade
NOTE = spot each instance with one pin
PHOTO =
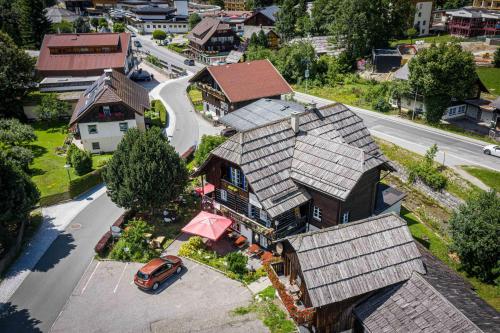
(258, 19)
(221, 42)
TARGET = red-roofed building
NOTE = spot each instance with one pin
(84, 54)
(229, 87)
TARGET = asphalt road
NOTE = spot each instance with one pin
(453, 149)
(36, 304)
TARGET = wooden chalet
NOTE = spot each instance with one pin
(211, 40)
(265, 16)
(333, 270)
(307, 171)
(230, 87)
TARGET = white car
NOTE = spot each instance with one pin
(492, 150)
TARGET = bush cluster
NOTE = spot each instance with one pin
(237, 263)
(133, 245)
(192, 246)
(429, 175)
(79, 159)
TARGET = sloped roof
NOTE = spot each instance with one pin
(112, 88)
(204, 30)
(259, 113)
(247, 80)
(83, 61)
(413, 306)
(459, 292)
(356, 258)
(496, 103)
(403, 73)
(267, 156)
(270, 12)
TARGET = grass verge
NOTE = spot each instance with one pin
(272, 315)
(489, 177)
(429, 39)
(490, 76)
(196, 98)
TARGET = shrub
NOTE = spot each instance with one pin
(81, 161)
(237, 263)
(80, 185)
(69, 153)
(381, 105)
(190, 247)
(133, 245)
(159, 35)
(496, 58)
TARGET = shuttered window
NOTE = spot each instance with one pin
(317, 214)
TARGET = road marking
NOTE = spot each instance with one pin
(90, 278)
(121, 275)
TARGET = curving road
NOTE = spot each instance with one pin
(454, 149)
(38, 301)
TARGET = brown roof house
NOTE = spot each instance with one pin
(84, 54)
(371, 276)
(298, 170)
(106, 110)
(211, 40)
(229, 87)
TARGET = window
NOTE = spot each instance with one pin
(148, 26)
(263, 215)
(154, 26)
(252, 211)
(223, 195)
(237, 178)
(92, 129)
(107, 110)
(345, 217)
(317, 214)
(123, 127)
(96, 146)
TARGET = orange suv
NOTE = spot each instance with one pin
(151, 275)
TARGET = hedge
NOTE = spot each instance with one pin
(53, 199)
(80, 185)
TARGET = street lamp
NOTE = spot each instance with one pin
(67, 167)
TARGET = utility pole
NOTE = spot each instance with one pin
(414, 104)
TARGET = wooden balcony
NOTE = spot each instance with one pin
(229, 187)
(209, 90)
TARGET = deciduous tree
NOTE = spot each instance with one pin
(81, 25)
(441, 73)
(475, 231)
(51, 108)
(207, 144)
(118, 27)
(145, 172)
(159, 35)
(193, 20)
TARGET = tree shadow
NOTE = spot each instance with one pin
(59, 249)
(36, 172)
(38, 150)
(13, 319)
(411, 221)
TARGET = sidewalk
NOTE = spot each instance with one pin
(55, 220)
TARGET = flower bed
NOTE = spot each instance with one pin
(301, 316)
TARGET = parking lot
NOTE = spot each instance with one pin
(197, 300)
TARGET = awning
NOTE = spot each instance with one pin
(208, 225)
(208, 188)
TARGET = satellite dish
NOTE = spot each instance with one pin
(279, 248)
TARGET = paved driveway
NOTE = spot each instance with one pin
(198, 300)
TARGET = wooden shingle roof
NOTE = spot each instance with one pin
(277, 161)
(412, 306)
(356, 258)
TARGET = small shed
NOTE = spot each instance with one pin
(386, 60)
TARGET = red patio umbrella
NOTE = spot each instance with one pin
(208, 188)
(208, 225)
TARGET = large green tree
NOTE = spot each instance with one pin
(323, 15)
(33, 24)
(9, 21)
(18, 195)
(145, 172)
(475, 231)
(286, 18)
(16, 75)
(441, 73)
(81, 25)
(207, 144)
(193, 20)
(14, 140)
(359, 26)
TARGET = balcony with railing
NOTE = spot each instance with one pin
(209, 90)
(290, 294)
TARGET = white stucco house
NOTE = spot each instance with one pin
(106, 110)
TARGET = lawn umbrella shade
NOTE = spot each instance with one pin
(207, 225)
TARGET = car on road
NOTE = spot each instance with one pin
(132, 34)
(137, 43)
(492, 150)
(141, 75)
(227, 132)
(151, 275)
(189, 62)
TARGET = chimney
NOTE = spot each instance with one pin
(294, 121)
(312, 105)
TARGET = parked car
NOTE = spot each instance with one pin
(492, 150)
(140, 75)
(227, 132)
(137, 43)
(189, 62)
(132, 34)
(151, 275)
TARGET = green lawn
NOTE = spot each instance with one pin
(489, 177)
(196, 98)
(439, 248)
(491, 78)
(47, 170)
(430, 39)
